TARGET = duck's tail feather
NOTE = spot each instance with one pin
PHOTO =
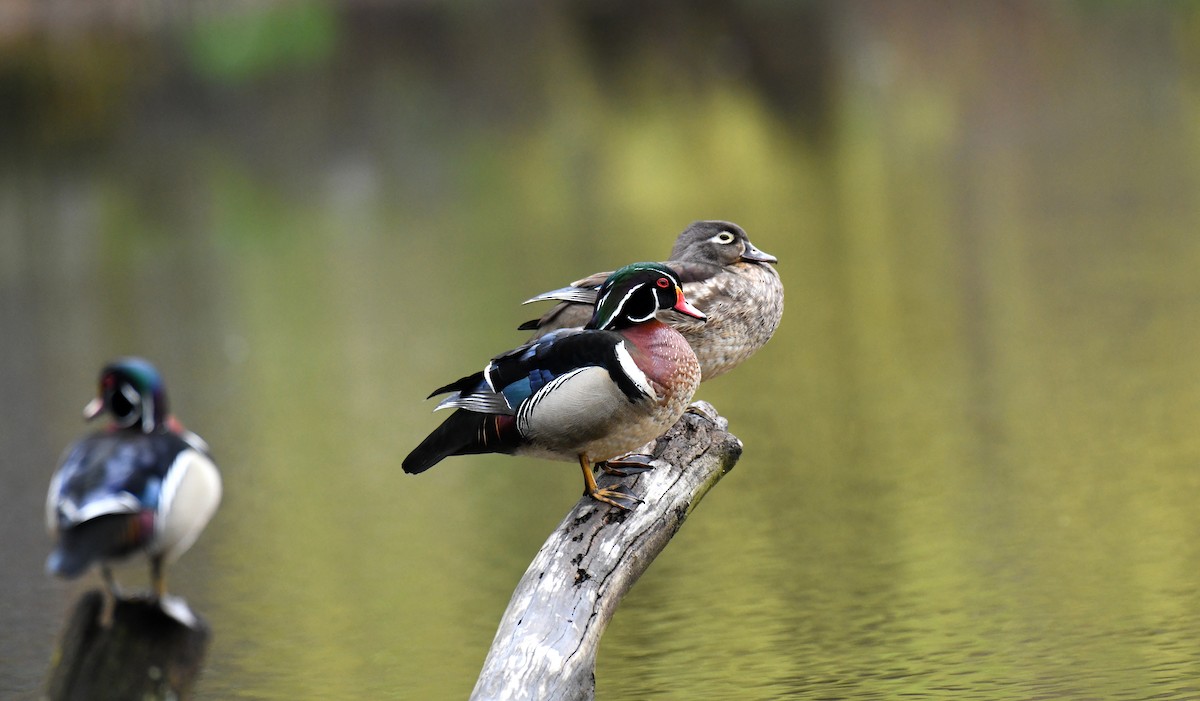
(464, 385)
(102, 538)
(464, 433)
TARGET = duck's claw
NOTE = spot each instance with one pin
(615, 497)
(629, 464)
(612, 496)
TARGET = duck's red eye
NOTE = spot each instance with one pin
(663, 283)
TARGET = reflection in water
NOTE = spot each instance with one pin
(971, 449)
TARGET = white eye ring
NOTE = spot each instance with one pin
(724, 237)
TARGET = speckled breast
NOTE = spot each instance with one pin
(744, 305)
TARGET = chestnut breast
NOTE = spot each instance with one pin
(666, 358)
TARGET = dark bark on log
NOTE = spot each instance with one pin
(143, 653)
(546, 644)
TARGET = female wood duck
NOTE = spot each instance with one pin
(142, 485)
(587, 395)
(723, 274)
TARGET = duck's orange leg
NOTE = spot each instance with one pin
(613, 497)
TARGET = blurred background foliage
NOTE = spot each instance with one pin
(265, 39)
(971, 461)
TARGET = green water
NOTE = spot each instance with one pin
(972, 461)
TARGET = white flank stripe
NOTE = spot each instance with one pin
(530, 404)
(123, 503)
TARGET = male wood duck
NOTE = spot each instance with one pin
(587, 395)
(723, 274)
(144, 485)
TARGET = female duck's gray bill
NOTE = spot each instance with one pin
(752, 253)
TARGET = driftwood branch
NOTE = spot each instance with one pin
(546, 644)
(141, 653)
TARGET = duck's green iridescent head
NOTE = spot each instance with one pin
(132, 391)
(635, 293)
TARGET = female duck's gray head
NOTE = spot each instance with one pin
(132, 391)
(635, 293)
(719, 243)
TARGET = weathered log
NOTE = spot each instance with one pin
(141, 653)
(545, 647)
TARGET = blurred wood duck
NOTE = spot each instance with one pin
(723, 275)
(143, 485)
(585, 395)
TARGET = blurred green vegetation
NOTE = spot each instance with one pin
(263, 39)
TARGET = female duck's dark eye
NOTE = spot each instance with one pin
(724, 237)
(663, 283)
